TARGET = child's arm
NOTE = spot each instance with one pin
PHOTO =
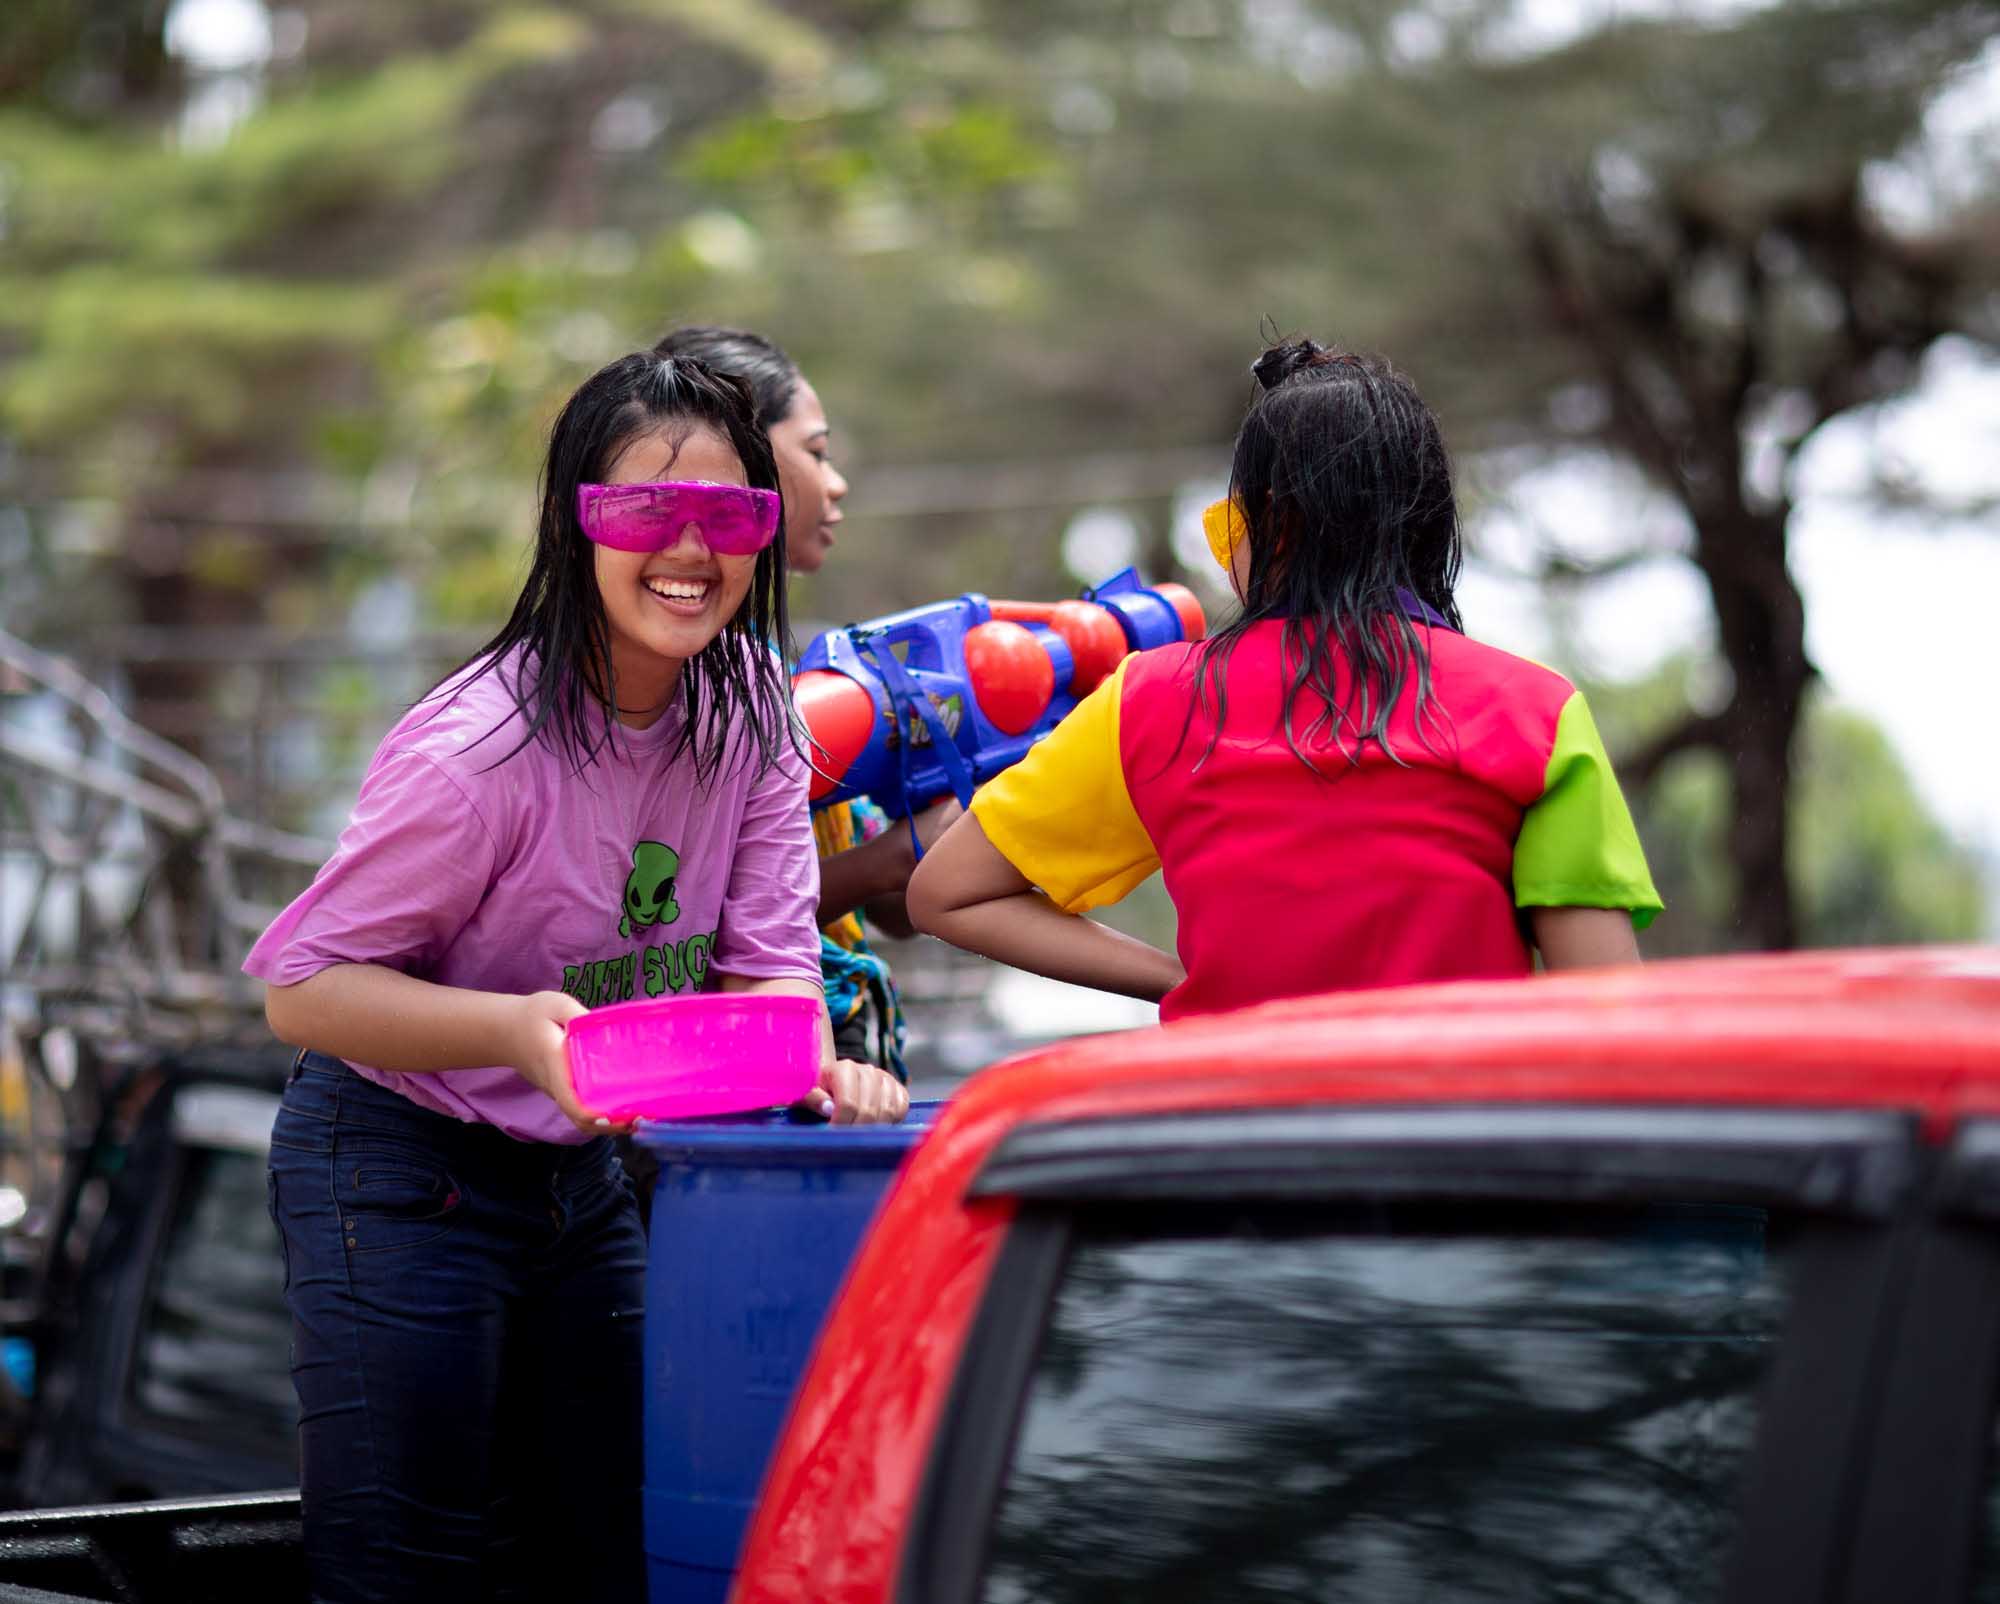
(889, 914)
(1584, 938)
(849, 1093)
(967, 893)
(874, 873)
(381, 1016)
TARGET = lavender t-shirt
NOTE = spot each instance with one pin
(633, 879)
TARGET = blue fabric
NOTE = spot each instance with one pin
(854, 978)
(467, 1350)
(1419, 609)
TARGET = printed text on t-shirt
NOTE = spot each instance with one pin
(671, 966)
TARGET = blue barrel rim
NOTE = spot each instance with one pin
(775, 1134)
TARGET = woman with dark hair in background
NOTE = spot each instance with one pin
(864, 865)
(1342, 789)
(605, 803)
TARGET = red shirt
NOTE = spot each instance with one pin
(1290, 880)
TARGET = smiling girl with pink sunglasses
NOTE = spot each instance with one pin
(605, 803)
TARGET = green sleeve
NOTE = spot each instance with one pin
(1578, 847)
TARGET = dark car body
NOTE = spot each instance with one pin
(163, 1359)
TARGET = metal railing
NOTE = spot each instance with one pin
(128, 891)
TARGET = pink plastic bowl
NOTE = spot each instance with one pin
(679, 1057)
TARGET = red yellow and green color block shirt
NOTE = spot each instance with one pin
(1289, 880)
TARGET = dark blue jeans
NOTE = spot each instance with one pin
(466, 1314)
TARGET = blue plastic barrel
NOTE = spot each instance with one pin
(755, 1219)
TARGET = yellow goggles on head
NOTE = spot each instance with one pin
(1225, 528)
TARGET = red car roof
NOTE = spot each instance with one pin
(1915, 1029)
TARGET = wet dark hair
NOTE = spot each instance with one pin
(562, 681)
(1341, 472)
(772, 376)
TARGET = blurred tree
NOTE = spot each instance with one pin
(1661, 237)
(1727, 317)
(1023, 250)
(201, 314)
(1869, 863)
(84, 62)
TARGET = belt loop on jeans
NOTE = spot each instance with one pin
(298, 1065)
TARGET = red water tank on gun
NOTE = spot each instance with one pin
(1012, 674)
(1096, 640)
(1187, 607)
(839, 716)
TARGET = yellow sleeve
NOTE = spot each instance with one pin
(1062, 815)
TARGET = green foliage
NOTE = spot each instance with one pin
(1870, 863)
(989, 232)
(789, 48)
(284, 181)
(922, 149)
(193, 357)
(173, 295)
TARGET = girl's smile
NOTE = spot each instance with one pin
(684, 595)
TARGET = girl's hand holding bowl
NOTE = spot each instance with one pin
(542, 1057)
(854, 1093)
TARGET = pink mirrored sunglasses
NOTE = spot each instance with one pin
(734, 521)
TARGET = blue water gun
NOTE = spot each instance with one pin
(929, 703)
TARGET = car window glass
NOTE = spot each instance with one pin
(1391, 1403)
(215, 1340)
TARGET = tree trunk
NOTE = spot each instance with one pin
(1761, 621)
(1686, 370)
(1679, 389)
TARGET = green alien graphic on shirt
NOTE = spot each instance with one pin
(646, 910)
(649, 889)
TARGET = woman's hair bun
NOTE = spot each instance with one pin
(1280, 362)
